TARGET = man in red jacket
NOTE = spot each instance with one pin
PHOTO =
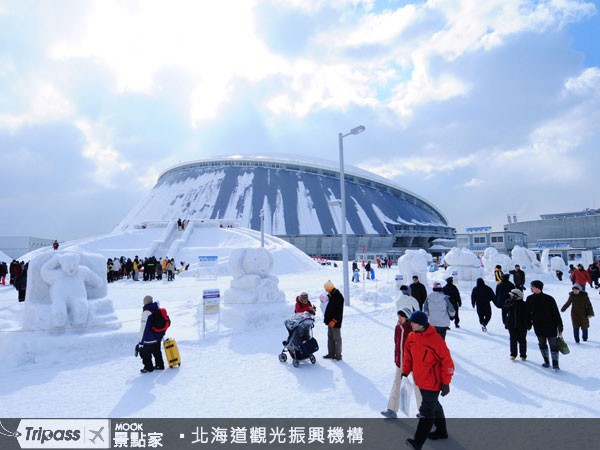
(428, 357)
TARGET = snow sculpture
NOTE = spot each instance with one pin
(557, 263)
(251, 283)
(463, 264)
(67, 289)
(492, 257)
(414, 262)
(526, 259)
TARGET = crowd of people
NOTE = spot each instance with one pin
(420, 333)
(151, 268)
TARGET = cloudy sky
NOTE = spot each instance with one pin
(482, 107)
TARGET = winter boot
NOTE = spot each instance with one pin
(412, 444)
(555, 361)
(545, 355)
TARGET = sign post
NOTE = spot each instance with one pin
(211, 301)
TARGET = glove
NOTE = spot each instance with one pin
(445, 389)
(332, 323)
(137, 349)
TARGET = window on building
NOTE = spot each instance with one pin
(463, 240)
(479, 239)
(497, 239)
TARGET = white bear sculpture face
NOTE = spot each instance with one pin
(69, 263)
(257, 261)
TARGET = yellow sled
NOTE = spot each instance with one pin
(172, 352)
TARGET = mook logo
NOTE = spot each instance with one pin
(64, 433)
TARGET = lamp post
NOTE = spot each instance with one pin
(341, 136)
(262, 227)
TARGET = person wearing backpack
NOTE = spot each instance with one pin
(152, 330)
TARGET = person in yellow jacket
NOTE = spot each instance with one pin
(498, 274)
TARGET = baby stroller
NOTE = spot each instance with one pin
(300, 343)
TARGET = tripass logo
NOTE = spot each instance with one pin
(63, 433)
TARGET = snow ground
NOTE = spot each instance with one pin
(234, 370)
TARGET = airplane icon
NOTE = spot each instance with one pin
(97, 434)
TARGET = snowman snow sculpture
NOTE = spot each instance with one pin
(252, 282)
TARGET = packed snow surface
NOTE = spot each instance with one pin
(230, 365)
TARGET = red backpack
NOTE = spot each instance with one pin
(160, 320)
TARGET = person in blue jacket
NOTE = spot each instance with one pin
(149, 343)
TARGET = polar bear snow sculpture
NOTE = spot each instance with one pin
(526, 259)
(414, 262)
(492, 258)
(463, 264)
(251, 283)
(67, 288)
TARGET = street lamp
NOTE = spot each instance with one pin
(262, 227)
(341, 136)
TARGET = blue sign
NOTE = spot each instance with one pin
(553, 244)
(477, 229)
(207, 258)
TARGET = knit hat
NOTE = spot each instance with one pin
(449, 280)
(303, 296)
(404, 287)
(405, 312)
(148, 299)
(517, 293)
(538, 284)
(420, 318)
(577, 286)
(329, 286)
(437, 285)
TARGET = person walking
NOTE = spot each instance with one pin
(149, 340)
(481, 297)
(518, 321)
(428, 358)
(439, 310)
(454, 295)
(518, 277)
(334, 313)
(581, 311)
(418, 291)
(405, 300)
(502, 290)
(594, 272)
(581, 277)
(546, 321)
(401, 333)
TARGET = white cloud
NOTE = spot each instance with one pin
(586, 84)
(42, 101)
(98, 149)
(474, 183)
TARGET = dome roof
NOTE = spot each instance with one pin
(297, 197)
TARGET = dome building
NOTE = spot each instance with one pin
(299, 201)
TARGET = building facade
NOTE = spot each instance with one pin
(477, 239)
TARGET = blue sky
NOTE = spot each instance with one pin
(483, 108)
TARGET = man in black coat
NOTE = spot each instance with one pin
(452, 292)
(502, 291)
(418, 291)
(518, 277)
(547, 322)
(481, 297)
(518, 321)
(334, 313)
